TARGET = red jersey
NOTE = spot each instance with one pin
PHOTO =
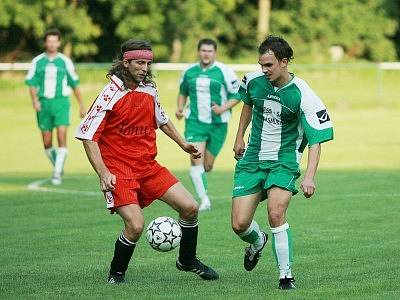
(123, 123)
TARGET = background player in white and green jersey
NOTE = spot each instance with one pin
(286, 115)
(213, 90)
(50, 79)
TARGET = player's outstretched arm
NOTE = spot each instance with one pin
(107, 179)
(308, 184)
(245, 118)
(170, 130)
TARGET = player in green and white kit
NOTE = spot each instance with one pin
(212, 88)
(50, 79)
(286, 115)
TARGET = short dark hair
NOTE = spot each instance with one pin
(118, 68)
(207, 41)
(278, 45)
(52, 31)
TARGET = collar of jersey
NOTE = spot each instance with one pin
(53, 58)
(287, 83)
(141, 84)
(119, 83)
(209, 68)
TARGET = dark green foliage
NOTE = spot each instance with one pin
(365, 29)
(28, 20)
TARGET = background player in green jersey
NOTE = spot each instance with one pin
(286, 115)
(212, 88)
(50, 79)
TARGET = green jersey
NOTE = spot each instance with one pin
(284, 120)
(53, 77)
(216, 84)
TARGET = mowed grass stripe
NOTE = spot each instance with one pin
(60, 245)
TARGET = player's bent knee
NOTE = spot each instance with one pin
(240, 225)
(134, 228)
(276, 216)
(190, 212)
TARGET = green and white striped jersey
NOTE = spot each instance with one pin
(53, 77)
(284, 119)
(216, 84)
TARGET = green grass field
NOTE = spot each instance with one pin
(58, 242)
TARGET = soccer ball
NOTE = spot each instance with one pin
(163, 234)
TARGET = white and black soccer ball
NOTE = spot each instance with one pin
(163, 234)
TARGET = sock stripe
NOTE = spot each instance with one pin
(281, 228)
(126, 244)
(125, 241)
(188, 224)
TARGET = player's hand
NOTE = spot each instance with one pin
(192, 149)
(217, 109)
(37, 106)
(239, 148)
(179, 114)
(107, 181)
(308, 187)
(82, 111)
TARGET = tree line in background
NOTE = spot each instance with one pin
(94, 29)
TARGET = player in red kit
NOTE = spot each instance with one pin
(119, 138)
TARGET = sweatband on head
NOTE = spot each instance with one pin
(138, 54)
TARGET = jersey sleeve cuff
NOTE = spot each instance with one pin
(322, 137)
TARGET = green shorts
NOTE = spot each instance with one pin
(53, 113)
(213, 134)
(252, 177)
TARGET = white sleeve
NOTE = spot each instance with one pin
(231, 81)
(31, 78)
(160, 115)
(31, 71)
(314, 116)
(90, 127)
(71, 69)
(313, 109)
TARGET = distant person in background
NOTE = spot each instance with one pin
(119, 136)
(286, 116)
(213, 90)
(50, 79)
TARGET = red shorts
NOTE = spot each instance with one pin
(141, 191)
